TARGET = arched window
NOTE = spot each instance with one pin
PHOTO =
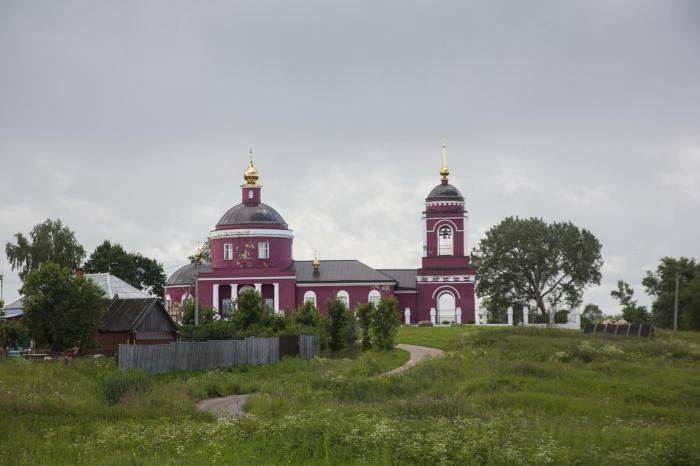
(445, 241)
(310, 297)
(447, 312)
(343, 297)
(374, 297)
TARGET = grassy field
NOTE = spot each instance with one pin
(500, 396)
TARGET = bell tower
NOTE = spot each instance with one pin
(445, 282)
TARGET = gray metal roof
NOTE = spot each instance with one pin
(185, 275)
(124, 314)
(251, 213)
(114, 286)
(405, 277)
(445, 190)
(338, 271)
(14, 309)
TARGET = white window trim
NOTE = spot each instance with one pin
(228, 251)
(343, 296)
(263, 246)
(310, 296)
(374, 296)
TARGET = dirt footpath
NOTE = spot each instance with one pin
(418, 353)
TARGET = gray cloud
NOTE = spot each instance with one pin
(132, 120)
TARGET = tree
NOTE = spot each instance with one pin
(250, 310)
(364, 314)
(206, 253)
(591, 313)
(631, 312)
(135, 269)
(661, 285)
(337, 321)
(206, 313)
(307, 315)
(48, 241)
(690, 317)
(531, 262)
(384, 323)
(61, 310)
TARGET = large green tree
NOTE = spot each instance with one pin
(591, 313)
(535, 263)
(139, 271)
(631, 311)
(48, 241)
(61, 310)
(661, 285)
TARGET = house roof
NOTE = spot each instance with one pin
(125, 314)
(14, 309)
(405, 277)
(345, 271)
(114, 286)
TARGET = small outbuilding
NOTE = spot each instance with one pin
(143, 321)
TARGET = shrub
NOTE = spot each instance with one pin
(337, 321)
(206, 313)
(350, 331)
(368, 365)
(118, 384)
(364, 312)
(250, 310)
(384, 323)
(425, 323)
(307, 315)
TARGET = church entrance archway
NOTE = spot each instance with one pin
(447, 310)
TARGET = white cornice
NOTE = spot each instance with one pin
(251, 232)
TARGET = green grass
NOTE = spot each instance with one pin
(435, 337)
(499, 396)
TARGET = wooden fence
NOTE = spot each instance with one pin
(189, 356)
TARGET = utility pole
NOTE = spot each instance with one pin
(197, 262)
(675, 306)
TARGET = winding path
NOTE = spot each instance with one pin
(418, 353)
(232, 407)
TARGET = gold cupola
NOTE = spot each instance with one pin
(316, 263)
(250, 175)
(444, 171)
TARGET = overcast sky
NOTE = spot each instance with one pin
(131, 121)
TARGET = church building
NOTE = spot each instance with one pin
(251, 248)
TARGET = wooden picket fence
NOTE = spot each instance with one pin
(190, 356)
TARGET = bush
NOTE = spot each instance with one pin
(117, 385)
(350, 331)
(337, 321)
(206, 313)
(384, 323)
(425, 323)
(364, 312)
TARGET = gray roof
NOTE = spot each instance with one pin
(124, 314)
(445, 190)
(185, 275)
(251, 213)
(14, 309)
(405, 277)
(346, 271)
(114, 286)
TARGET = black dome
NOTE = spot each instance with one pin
(185, 275)
(251, 213)
(445, 190)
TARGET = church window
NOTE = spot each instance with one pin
(263, 250)
(226, 308)
(250, 194)
(228, 251)
(445, 241)
(343, 297)
(310, 297)
(374, 297)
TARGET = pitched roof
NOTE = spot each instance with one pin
(14, 309)
(405, 277)
(346, 271)
(124, 314)
(114, 286)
